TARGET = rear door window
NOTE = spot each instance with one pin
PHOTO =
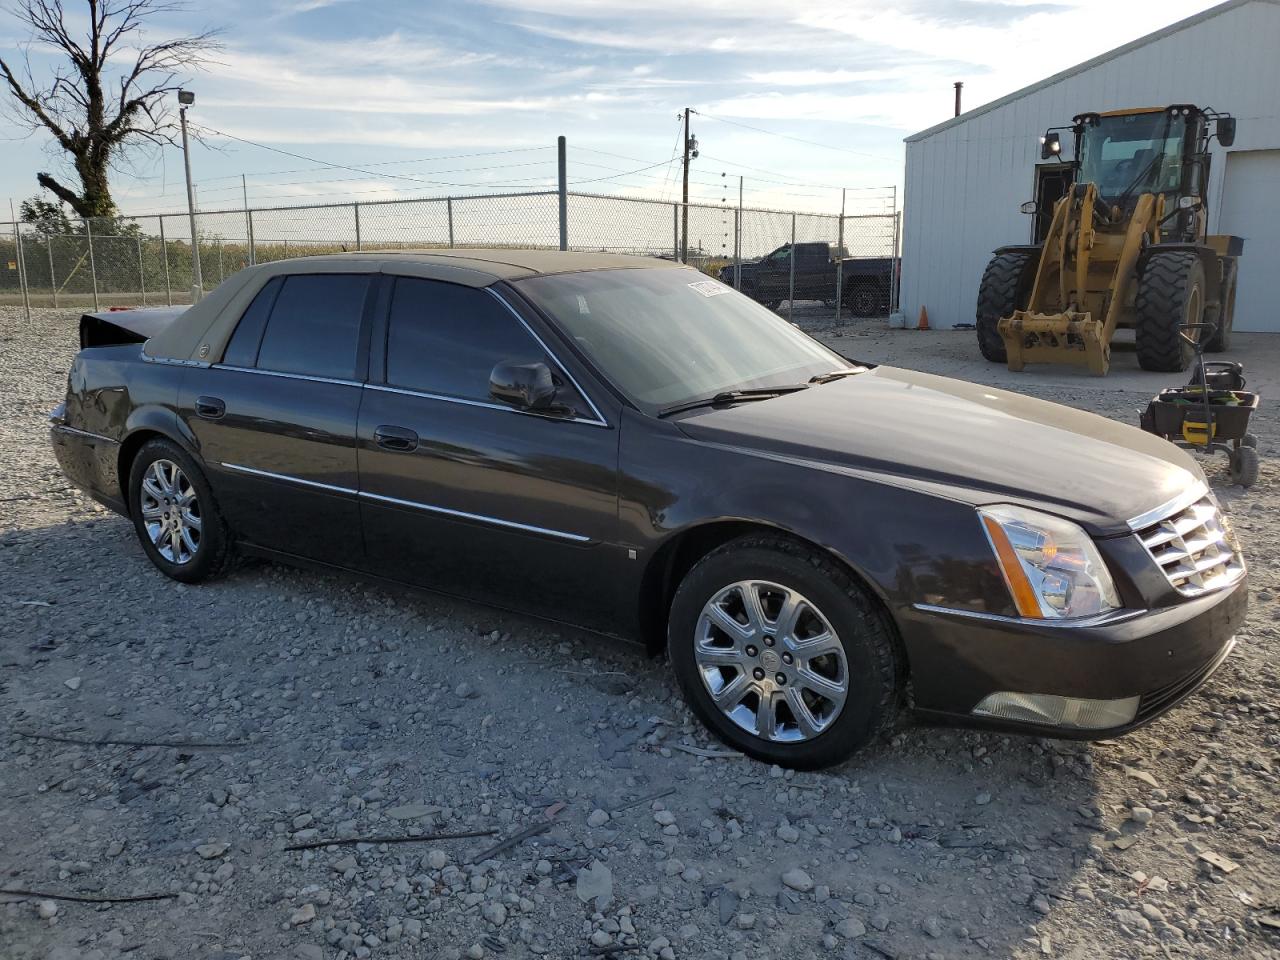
(242, 350)
(314, 327)
(445, 339)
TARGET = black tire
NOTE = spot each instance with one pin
(1244, 466)
(1005, 287)
(1220, 342)
(867, 299)
(1170, 294)
(864, 630)
(214, 553)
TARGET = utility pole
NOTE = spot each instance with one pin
(186, 98)
(690, 153)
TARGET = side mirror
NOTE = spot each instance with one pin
(526, 386)
(1226, 131)
(1030, 207)
(1051, 146)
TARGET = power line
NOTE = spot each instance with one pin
(667, 176)
(789, 182)
(787, 136)
(384, 163)
(344, 166)
(660, 163)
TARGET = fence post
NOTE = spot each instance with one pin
(737, 249)
(675, 228)
(356, 208)
(840, 259)
(563, 192)
(248, 217)
(737, 242)
(53, 283)
(22, 269)
(164, 246)
(449, 206)
(253, 252)
(791, 283)
(221, 275)
(895, 271)
(93, 266)
(142, 272)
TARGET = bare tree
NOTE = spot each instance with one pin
(107, 92)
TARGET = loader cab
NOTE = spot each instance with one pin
(1156, 150)
(1127, 154)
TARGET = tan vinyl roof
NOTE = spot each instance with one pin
(201, 333)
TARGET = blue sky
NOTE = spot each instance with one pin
(462, 97)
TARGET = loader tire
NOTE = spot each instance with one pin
(1170, 295)
(1005, 287)
(1221, 339)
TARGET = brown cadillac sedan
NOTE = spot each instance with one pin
(629, 446)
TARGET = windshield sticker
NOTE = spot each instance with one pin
(583, 309)
(709, 288)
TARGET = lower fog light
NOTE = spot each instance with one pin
(1056, 711)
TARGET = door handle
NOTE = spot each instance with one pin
(210, 408)
(399, 439)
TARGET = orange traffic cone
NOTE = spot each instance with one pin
(923, 323)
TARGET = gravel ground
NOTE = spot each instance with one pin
(326, 708)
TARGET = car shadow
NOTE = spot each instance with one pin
(940, 840)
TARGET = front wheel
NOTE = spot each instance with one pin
(1005, 288)
(1170, 296)
(782, 653)
(175, 515)
(1244, 466)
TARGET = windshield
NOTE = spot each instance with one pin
(665, 336)
(1133, 154)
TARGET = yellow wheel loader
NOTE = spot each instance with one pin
(1126, 247)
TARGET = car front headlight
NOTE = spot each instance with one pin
(1052, 568)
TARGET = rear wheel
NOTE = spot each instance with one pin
(866, 299)
(782, 654)
(1221, 339)
(1005, 287)
(174, 514)
(1170, 296)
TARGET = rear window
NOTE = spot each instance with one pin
(242, 350)
(314, 327)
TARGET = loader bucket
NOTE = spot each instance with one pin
(1069, 337)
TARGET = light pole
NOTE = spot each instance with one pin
(186, 98)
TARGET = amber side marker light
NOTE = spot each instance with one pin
(1024, 594)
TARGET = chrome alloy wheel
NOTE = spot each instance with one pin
(170, 512)
(771, 661)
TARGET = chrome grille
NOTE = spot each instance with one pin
(1195, 548)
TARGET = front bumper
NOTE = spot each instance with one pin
(1159, 656)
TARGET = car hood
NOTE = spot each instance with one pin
(964, 441)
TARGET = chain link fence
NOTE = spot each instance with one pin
(848, 262)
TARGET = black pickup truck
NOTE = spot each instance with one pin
(867, 281)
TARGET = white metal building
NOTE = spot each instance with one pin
(967, 177)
